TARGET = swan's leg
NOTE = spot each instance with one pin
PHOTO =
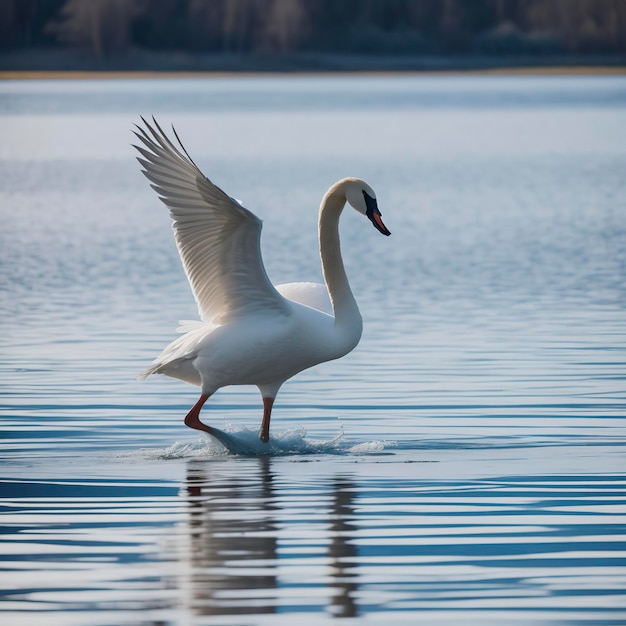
(193, 417)
(264, 435)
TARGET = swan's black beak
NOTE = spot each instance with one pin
(374, 214)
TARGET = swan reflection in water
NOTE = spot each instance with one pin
(248, 542)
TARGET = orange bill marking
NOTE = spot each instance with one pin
(379, 221)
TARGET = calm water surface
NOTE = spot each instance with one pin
(465, 465)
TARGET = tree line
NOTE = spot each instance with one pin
(106, 28)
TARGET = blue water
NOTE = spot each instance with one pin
(465, 465)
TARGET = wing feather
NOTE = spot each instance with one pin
(217, 238)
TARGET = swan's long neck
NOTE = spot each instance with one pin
(347, 316)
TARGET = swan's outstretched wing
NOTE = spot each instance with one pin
(217, 238)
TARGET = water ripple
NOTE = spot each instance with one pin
(263, 537)
(465, 465)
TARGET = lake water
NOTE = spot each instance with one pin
(464, 465)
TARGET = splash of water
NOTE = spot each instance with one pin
(241, 441)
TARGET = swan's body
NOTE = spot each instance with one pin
(251, 332)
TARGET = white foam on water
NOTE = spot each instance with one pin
(369, 447)
(241, 441)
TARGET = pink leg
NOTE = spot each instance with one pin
(264, 435)
(193, 417)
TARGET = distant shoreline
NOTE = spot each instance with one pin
(151, 74)
(137, 63)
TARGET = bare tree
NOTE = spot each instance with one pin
(616, 24)
(453, 24)
(579, 24)
(8, 20)
(283, 26)
(237, 21)
(206, 18)
(102, 26)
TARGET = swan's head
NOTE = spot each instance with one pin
(361, 197)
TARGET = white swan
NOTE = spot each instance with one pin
(249, 333)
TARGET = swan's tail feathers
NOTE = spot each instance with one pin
(154, 369)
(181, 368)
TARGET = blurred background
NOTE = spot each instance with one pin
(309, 34)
